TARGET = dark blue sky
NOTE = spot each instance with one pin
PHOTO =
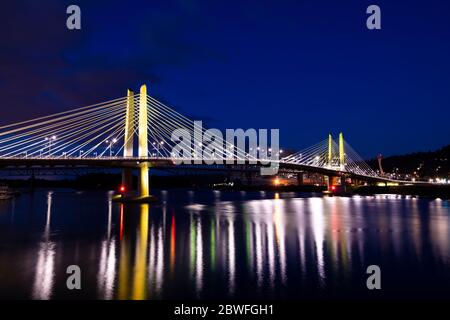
(306, 67)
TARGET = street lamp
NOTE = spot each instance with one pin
(50, 140)
(110, 144)
(317, 160)
(47, 140)
(157, 149)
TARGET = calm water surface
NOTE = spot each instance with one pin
(211, 244)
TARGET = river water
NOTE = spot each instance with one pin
(204, 244)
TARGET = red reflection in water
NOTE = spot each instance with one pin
(121, 221)
(172, 243)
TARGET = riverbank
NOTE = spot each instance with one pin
(432, 191)
(290, 188)
(216, 182)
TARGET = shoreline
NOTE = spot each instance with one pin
(433, 192)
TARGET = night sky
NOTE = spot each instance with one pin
(307, 67)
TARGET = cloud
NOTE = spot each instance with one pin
(47, 68)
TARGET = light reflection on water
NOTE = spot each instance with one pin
(212, 244)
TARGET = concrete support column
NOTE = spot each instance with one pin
(336, 183)
(300, 178)
(249, 177)
(144, 184)
(328, 182)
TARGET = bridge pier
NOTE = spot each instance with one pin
(328, 182)
(144, 184)
(300, 179)
(127, 180)
(335, 184)
(249, 178)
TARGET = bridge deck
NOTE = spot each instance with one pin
(158, 162)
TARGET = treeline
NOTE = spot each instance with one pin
(427, 164)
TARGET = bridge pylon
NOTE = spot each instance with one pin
(144, 187)
(143, 192)
(336, 183)
(341, 152)
(127, 173)
(330, 150)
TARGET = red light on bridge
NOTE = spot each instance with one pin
(122, 188)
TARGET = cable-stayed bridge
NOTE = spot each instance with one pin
(135, 131)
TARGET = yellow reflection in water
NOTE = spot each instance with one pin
(124, 271)
(213, 243)
(137, 276)
(278, 218)
(140, 267)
